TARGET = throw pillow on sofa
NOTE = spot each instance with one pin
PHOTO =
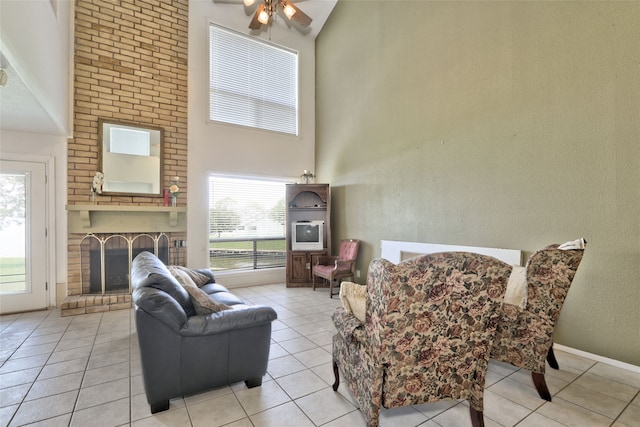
(198, 278)
(202, 302)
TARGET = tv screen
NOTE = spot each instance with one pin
(307, 236)
(307, 233)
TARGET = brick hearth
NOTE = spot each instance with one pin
(86, 304)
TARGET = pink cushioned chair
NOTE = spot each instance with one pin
(336, 268)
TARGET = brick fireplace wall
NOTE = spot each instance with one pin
(130, 64)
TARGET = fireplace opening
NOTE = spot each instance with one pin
(106, 260)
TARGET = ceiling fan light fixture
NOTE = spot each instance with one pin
(268, 8)
(289, 10)
(263, 17)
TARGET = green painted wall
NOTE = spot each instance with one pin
(501, 124)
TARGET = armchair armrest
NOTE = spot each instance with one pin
(345, 264)
(325, 260)
(349, 328)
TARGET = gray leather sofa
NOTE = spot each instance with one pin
(184, 353)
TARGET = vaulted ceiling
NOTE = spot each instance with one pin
(24, 108)
(20, 110)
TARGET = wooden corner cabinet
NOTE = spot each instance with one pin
(306, 203)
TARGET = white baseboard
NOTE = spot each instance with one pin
(597, 358)
(241, 279)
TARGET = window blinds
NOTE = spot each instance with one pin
(246, 208)
(252, 83)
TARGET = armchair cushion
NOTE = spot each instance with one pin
(354, 299)
(516, 293)
(324, 270)
(349, 250)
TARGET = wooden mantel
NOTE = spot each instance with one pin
(126, 219)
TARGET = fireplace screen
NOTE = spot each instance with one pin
(106, 260)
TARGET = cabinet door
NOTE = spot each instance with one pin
(299, 271)
(312, 258)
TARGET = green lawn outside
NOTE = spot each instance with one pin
(270, 253)
(12, 274)
(12, 270)
(263, 245)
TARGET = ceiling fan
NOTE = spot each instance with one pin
(268, 8)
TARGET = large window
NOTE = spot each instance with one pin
(246, 223)
(252, 83)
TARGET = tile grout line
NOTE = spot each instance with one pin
(625, 408)
(32, 383)
(588, 409)
(36, 377)
(84, 372)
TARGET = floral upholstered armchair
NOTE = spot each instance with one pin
(429, 326)
(524, 336)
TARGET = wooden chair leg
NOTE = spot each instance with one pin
(541, 386)
(477, 420)
(313, 281)
(551, 358)
(336, 374)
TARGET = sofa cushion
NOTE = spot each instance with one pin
(213, 288)
(202, 302)
(226, 298)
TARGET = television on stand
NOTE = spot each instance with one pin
(307, 235)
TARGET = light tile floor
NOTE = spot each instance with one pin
(85, 371)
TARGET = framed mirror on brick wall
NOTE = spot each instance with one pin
(130, 157)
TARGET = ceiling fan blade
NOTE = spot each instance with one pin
(300, 17)
(255, 24)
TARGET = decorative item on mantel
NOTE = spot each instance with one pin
(96, 186)
(307, 175)
(174, 189)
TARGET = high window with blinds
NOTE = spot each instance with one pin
(247, 220)
(252, 83)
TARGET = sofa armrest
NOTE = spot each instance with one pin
(239, 317)
(207, 273)
(348, 326)
(160, 305)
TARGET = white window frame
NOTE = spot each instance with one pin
(244, 232)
